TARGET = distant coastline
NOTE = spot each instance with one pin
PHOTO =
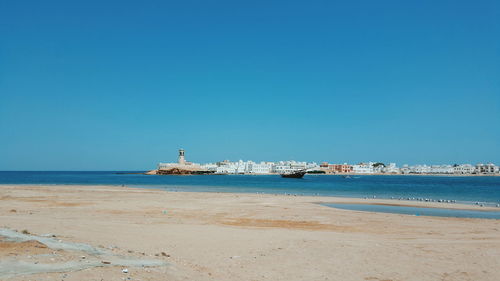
(154, 172)
(184, 167)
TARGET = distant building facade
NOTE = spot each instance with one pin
(392, 168)
(464, 169)
(363, 168)
(486, 168)
(251, 167)
(336, 168)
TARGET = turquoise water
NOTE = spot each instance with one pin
(417, 211)
(485, 190)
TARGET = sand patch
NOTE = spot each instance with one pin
(31, 247)
(289, 224)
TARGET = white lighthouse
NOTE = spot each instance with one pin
(182, 160)
(181, 164)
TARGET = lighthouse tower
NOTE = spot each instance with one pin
(181, 160)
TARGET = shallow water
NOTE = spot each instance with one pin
(417, 211)
(462, 189)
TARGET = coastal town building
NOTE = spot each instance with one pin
(391, 168)
(227, 167)
(486, 168)
(425, 169)
(363, 168)
(405, 169)
(336, 168)
(464, 169)
(420, 169)
(282, 167)
(251, 167)
(260, 168)
(442, 169)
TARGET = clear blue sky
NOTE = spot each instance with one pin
(121, 85)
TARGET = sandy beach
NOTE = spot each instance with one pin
(225, 236)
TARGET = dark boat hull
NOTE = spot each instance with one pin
(296, 175)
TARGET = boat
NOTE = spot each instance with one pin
(347, 177)
(296, 174)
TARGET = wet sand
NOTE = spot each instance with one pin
(224, 236)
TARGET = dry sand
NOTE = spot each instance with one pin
(217, 236)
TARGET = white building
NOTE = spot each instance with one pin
(250, 167)
(419, 169)
(283, 167)
(391, 169)
(260, 168)
(405, 169)
(292, 166)
(424, 169)
(441, 169)
(227, 167)
(210, 167)
(363, 168)
(464, 169)
(377, 169)
(486, 168)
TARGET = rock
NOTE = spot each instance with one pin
(106, 262)
(165, 254)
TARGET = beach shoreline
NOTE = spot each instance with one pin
(404, 201)
(240, 236)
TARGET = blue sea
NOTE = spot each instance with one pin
(470, 190)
